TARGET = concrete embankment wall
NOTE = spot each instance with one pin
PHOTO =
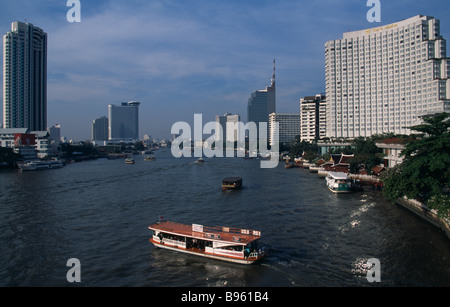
(427, 214)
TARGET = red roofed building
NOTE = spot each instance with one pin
(392, 149)
(338, 163)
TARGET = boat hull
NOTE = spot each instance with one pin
(339, 191)
(205, 254)
(232, 183)
(338, 183)
(230, 187)
(38, 166)
(221, 243)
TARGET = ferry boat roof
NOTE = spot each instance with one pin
(237, 236)
(232, 179)
(337, 175)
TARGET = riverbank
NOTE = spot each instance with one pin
(426, 213)
(415, 206)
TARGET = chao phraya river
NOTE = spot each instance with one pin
(98, 212)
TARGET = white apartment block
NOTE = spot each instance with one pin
(313, 113)
(384, 79)
(289, 126)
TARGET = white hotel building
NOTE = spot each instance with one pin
(383, 79)
(288, 127)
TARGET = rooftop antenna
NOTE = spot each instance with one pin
(273, 76)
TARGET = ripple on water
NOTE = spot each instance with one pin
(98, 211)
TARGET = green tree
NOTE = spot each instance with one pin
(425, 171)
(139, 145)
(8, 156)
(366, 154)
(297, 148)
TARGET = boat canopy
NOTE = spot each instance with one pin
(232, 179)
(226, 236)
(338, 175)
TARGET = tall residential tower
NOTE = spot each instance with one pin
(100, 129)
(25, 77)
(313, 118)
(384, 79)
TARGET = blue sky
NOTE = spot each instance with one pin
(180, 57)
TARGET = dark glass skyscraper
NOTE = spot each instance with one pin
(262, 103)
(124, 121)
(25, 77)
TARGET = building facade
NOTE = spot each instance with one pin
(123, 121)
(29, 144)
(229, 134)
(262, 103)
(313, 113)
(25, 77)
(392, 149)
(384, 79)
(100, 129)
(288, 127)
(55, 133)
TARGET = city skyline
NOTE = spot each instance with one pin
(178, 59)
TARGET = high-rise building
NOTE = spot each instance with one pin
(123, 121)
(229, 134)
(384, 79)
(288, 127)
(25, 77)
(262, 103)
(313, 113)
(100, 129)
(55, 133)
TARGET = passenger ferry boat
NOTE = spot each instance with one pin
(222, 243)
(40, 165)
(129, 160)
(338, 182)
(232, 183)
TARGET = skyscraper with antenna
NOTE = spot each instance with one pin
(262, 103)
(272, 82)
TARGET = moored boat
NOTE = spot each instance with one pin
(40, 165)
(338, 182)
(232, 183)
(221, 243)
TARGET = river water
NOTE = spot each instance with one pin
(98, 212)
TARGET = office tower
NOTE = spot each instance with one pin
(313, 113)
(55, 133)
(229, 134)
(288, 129)
(262, 103)
(123, 121)
(384, 79)
(25, 77)
(100, 129)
